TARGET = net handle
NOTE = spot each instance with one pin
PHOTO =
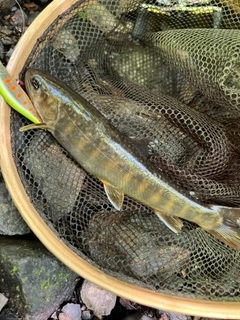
(197, 307)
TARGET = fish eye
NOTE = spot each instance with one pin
(36, 83)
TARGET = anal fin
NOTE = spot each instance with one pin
(115, 195)
(173, 223)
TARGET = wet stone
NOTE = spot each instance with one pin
(11, 222)
(33, 280)
(47, 162)
(3, 301)
(1, 50)
(86, 315)
(134, 316)
(70, 311)
(66, 43)
(6, 5)
(167, 315)
(100, 301)
(19, 18)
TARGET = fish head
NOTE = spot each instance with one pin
(43, 96)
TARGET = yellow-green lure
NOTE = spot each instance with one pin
(16, 97)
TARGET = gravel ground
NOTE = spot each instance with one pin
(15, 17)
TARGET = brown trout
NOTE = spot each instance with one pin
(112, 157)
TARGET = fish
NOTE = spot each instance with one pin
(103, 151)
(16, 97)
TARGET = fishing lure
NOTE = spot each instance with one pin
(16, 97)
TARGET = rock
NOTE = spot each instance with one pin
(34, 281)
(1, 50)
(166, 315)
(31, 7)
(43, 1)
(3, 301)
(128, 305)
(8, 36)
(9, 53)
(48, 163)
(134, 239)
(106, 21)
(11, 222)
(199, 318)
(19, 18)
(6, 5)
(70, 311)
(7, 314)
(86, 315)
(144, 317)
(100, 301)
(66, 44)
(134, 316)
(32, 17)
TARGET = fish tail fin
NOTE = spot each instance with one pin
(229, 230)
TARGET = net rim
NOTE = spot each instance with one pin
(190, 306)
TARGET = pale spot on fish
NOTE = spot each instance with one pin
(170, 204)
(143, 186)
(94, 153)
(184, 210)
(155, 197)
(121, 176)
(82, 144)
(105, 164)
(128, 177)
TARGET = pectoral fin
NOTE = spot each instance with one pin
(173, 223)
(115, 196)
(36, 126)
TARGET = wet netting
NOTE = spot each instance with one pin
(166, 74)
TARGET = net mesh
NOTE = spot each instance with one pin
(174, 89)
